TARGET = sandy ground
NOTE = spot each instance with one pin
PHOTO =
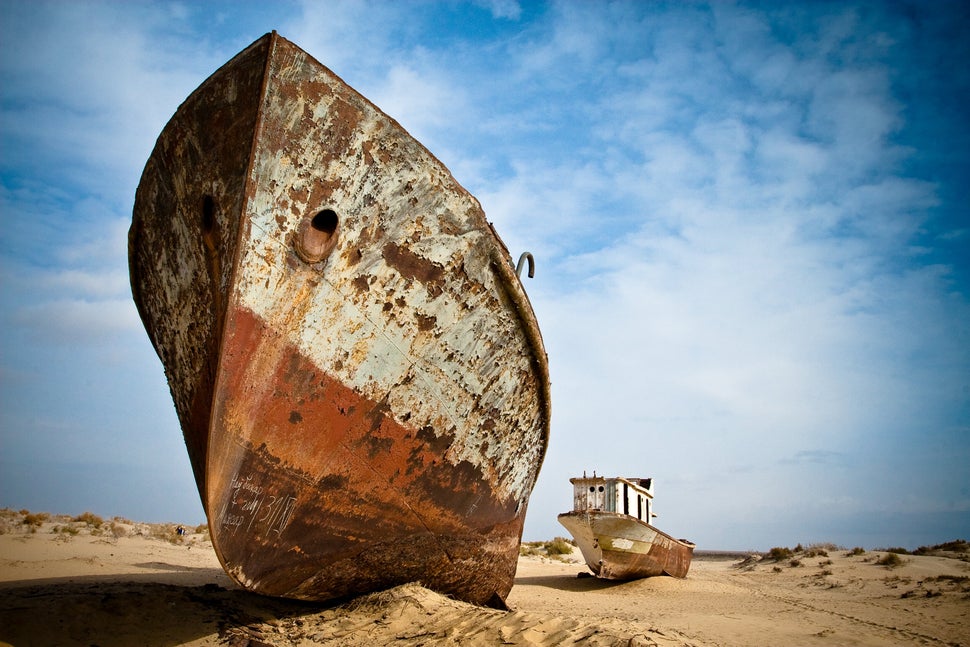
(67, 582)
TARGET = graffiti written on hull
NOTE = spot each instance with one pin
(252, 508)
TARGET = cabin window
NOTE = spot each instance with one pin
(639, 507)
(626, 499)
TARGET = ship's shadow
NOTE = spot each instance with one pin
(582, 583)
(107, 613)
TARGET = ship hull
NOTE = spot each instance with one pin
(620, 547)
(357, 370)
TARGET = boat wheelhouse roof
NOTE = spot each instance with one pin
(645, 483)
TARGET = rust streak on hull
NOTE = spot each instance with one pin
(609, 522)
(358, 372)
(619, 548)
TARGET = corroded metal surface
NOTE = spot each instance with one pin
(617, 547)
(357, 370)
(610, 523)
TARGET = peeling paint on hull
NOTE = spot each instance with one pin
(358, 373)
(618, 547)
(610, 523)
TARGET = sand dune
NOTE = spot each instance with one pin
(67, 582)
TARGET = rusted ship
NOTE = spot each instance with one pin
(610, 522)
(356, 367)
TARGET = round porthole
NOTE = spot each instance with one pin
(209, 222)
(317, 236)
(208, 214)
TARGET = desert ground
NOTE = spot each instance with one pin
(87, 581)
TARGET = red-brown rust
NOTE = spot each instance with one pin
(385, 485)
(365, 400)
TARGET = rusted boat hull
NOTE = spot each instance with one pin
(358, 373)
(619, 547)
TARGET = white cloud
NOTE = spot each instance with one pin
(76, 321)
(509, 9)
(729, 281)
(420, 100)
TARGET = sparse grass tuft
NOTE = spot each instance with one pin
(165, 532)
(559, 546)
(554, 548)
(956, 546)
(779, 553)
(90, 519)
(858, 550)
(35, 520)
(827, 546)
(946, 577)
(890, 560)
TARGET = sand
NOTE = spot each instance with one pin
(67, 582)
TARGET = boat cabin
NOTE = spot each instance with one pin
(629, 496)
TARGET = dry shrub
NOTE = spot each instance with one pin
(957, 546)
(554, 548)
(779, 553)
(889, 560)
(35, 520)
(826, 546)
(165, 532)
(946, 577)
(559, 546)
(858, 550)
(529, 549)
(90, 519)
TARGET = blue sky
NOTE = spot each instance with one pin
(750, 222)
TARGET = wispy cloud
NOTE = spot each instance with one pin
(742, 277)
(816, 456)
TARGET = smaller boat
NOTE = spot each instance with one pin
(610, 522)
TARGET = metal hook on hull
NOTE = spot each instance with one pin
(532, 265)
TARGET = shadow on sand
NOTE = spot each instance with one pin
(572, 583)
(106, 612)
